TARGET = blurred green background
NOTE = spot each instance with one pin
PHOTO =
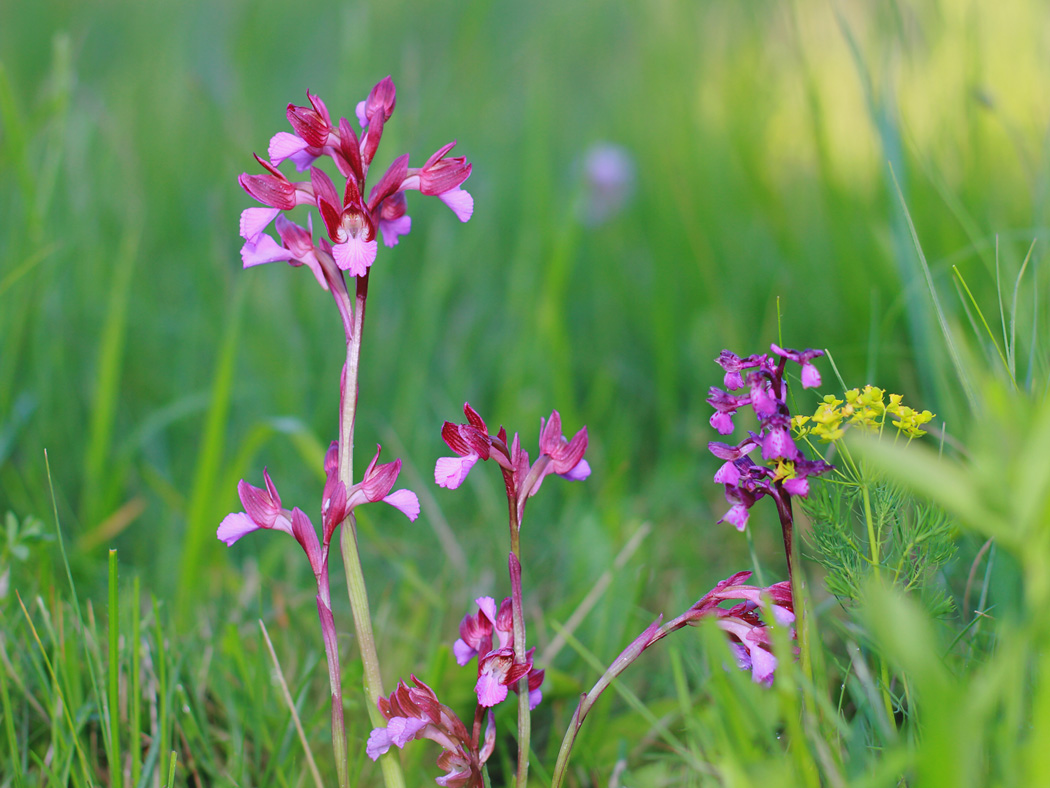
(156, 373)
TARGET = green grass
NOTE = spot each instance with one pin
(156, 373)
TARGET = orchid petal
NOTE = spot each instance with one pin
(255, 220)
(264, 250)
(460, 201)
(810, 376)
(578, 472)
(234, 526)
(449, 472)
(355, 256)
(284, 145)
(463, 652)
(490, 691)
(404, 501)
(393, 229)
(737, 515)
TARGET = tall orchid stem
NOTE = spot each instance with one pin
(331, 650)
(355, 579)
(524, 713)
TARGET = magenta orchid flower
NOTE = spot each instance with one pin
(476, 632)
(472, 442)
(413, 713)
(497, 672)
(262, 510)
(377, 484)
(743, 623)
(351, 221)
(498, 667)
(262, 507)
(788, 471)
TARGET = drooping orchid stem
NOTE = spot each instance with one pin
(651, 634)
(355, 580)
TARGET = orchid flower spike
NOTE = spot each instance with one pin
(352, 216)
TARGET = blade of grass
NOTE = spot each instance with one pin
(291, 708)
(116, 769)
(987, 329)
(95, 683)
(171, 769)
(73, 730)
(202, 519)
(1012, 352)
(26, 266)
(106, 396)
(135, 696)
(592, 597)
(163, 691)
(9, 730)
(953, 352)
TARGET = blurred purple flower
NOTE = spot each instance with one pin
(608, 181)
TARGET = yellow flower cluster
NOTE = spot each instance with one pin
(866, 408)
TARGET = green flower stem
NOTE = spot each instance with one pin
(355, 580)
(873, 545)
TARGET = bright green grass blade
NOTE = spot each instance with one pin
(116, 768)
(135, 695)
(291, 708)
(91, 665)
(9, 729)
(106, 397)
(164, 689)
(1012, 352)
(949, 340)
(73, 728)
(977, 307)
(171, 770)
(203, 517)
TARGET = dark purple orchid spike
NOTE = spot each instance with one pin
(786, 472)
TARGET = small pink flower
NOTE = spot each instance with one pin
(748, 633)
(296, 248)
(377, 484)
(416, 713)
(262, 510)
(469, 441)
(313, 124)
(497, 671)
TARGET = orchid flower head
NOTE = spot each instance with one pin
(351, 223)
(378, 481)
(413, 713)
(263, 511)
(760, 380)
